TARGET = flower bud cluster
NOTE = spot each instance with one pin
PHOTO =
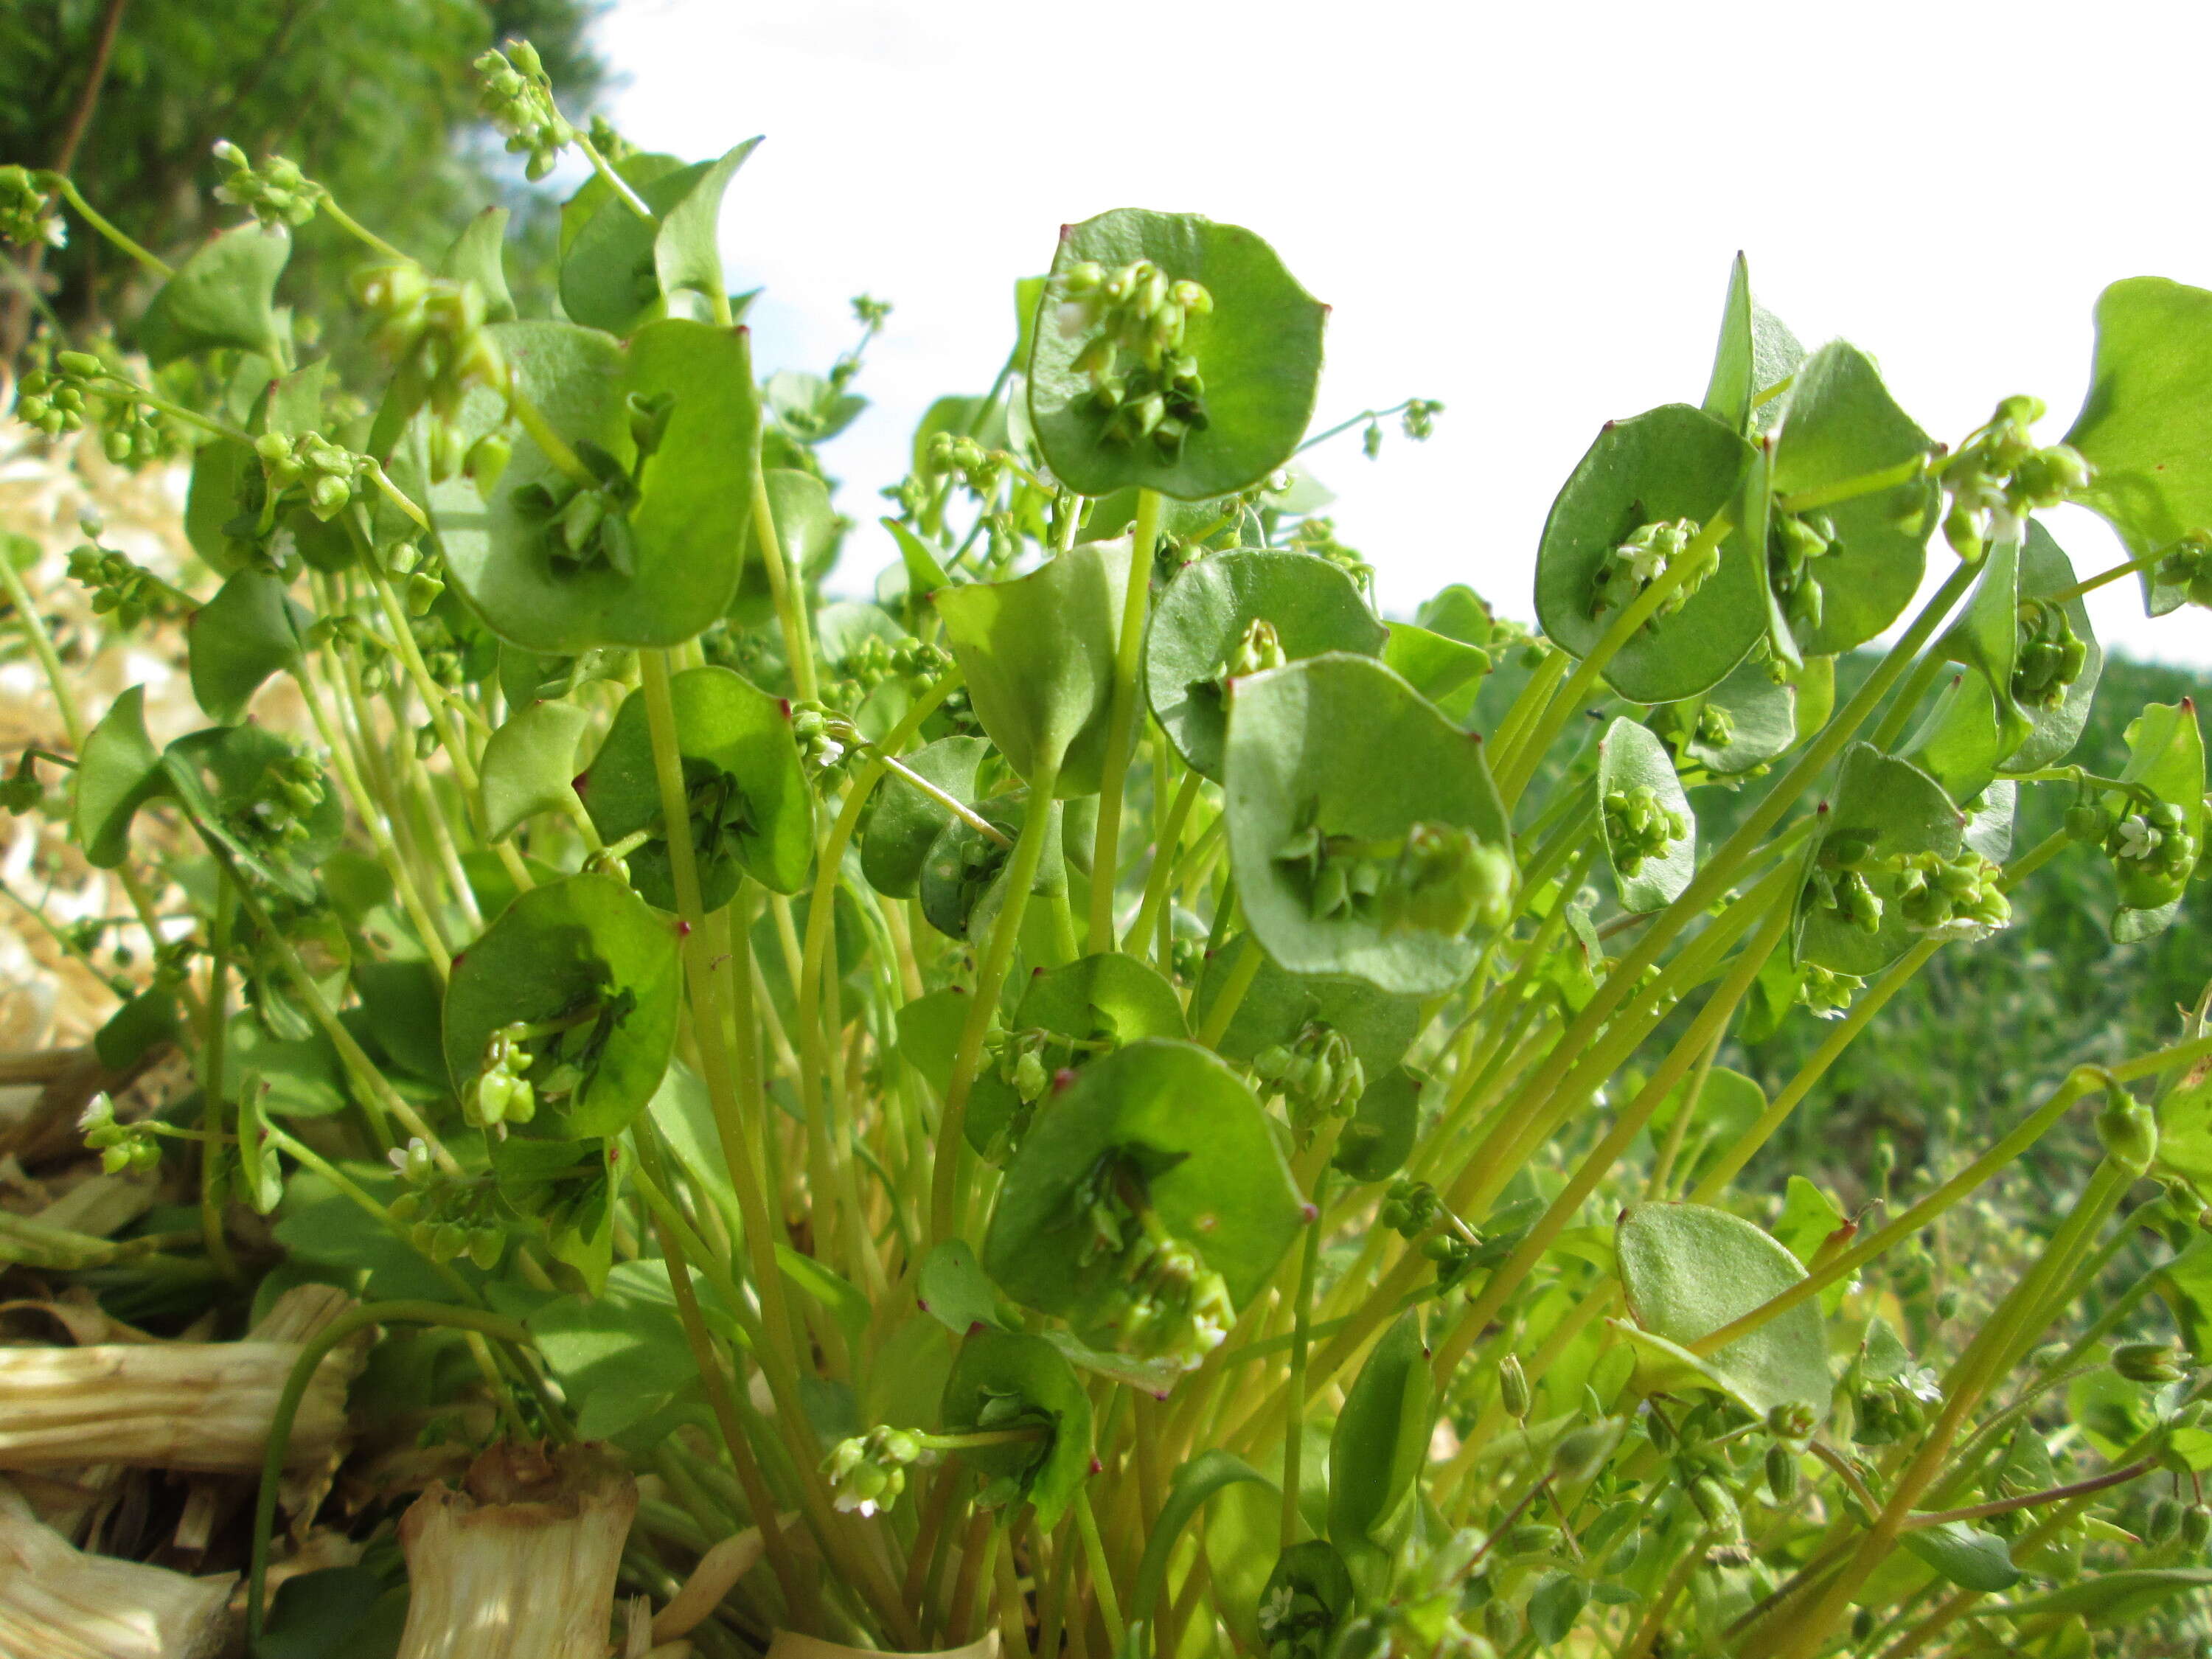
(1639, 826)
(278, 193)
(1649, 551)
(1716, 727)
(825, 737)
(1317, 535)
(1170, 1306)
(1138, 313)
(446, 1217)
(121, 1146)
(1795, 543)
(30, 214)
(1440, 878)
(517, 97)
(1954, 898)
(327, 473)
(1886, 1410)
(1999, 475)
(876, 659)
(2188, 563)
(502, 1092)
(1259, 649)
(1827, 994)
(119, 588)
(980, 469)
(78, 390)
(2051, 659)
(272, 820)
(2154, 840)
(867, 1472)
(433, 326)
(1317, 1073)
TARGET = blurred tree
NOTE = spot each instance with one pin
(374, 97)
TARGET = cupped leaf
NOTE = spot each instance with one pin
(117, 773)
(248, 631)
(619, 267)
(1374, 1144)
(1210, 1169)
(586, 955)
(2045, 570)
(1004, 1380)
(1965, 1556)
(1205, 616)
(1883, 806)
(1640, 799)
(963, 867)
(1256, 351)
(1449, 672)
(225, 777)
(1755, 354)
(1208, 1473)
(955, 1291)
(224, 294)
(903, 822)
(676, 570)
(2142, 425)
(1309, 1595)
(1280, 1006)
(1337, 774)
(1839, 424)
(529, 765)
(2165, 755)
(1986, 639)
(1038, 654)
(477, 255)
(752, 810)
(1672, 464)
(1745, 721)
(1689, 1270)
(1382, 1437)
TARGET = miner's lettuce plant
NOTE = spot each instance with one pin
(1132, 1102)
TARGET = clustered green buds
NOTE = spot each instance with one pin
(1317, 535)
(1999, 475)
(2051, 659)
(433, 329)
(502, 1092)
(1318, 1072)
(1847, 895)
(867, 1472)
(272, 818)
(1649, 551)
(517, 97)
(875, 659)
(1795, 543)
(2156, 1363)
(278, 193)
(30, 214)
(2188, 563)
(1259, 649)
(327, 473)
(1141, 312)
(1439, 878)
(1954, 898)
(980, 469)
(119, 588)
(1639, 826)
(1890, 1409)
(79, 390)
(824, 737)
(1417, 419)
(1826, 992)
(121, 1146)
(2152, 843)
(588, 525)
(446, 1218)
(1716, 727)
(1170, 1305)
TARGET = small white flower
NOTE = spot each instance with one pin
(2005, 525)
(1920, 1383)
(2137, 838)
(1072, 317)
(282, 545)
(1647, 564)
(846, 1503)
(1275, 1609)
(56, 232)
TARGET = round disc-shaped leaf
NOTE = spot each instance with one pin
(119, 772)
(1217, 1179)
(224, 296)
(1689, 1270)
(248, 631)
(1631, 759)
(619, 266)
(1258, 353)
(1338, 746)
(963, 865)
(222, 777)
(1278, 1006)
(1672, 463)
(1839, 423)
(752, 810)
(903, 822)
(566, 948)
(1757, 720)
(1891, 807)
(1312, 605)
(1038, 654)
(529, 764)
(688, 528)
(1376, 1143)
(1002, 1380)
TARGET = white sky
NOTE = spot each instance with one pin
(1527, 211)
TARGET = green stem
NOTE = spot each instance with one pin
(1301, 1336)
(312, 1355)
(211, 1079)
(2104, 578)
(618, 184)
(69, 193)
(361, 233)
(1849, 489)
(784, 590)
(1219, 1017)
(1121, 720)
(1161, 880)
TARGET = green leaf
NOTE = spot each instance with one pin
(1215, 1178)
(1755, 354)
(529, 765)
(117, 773)
(1258, 354)
(1001, 1380)
(1457, 612)
(1896, 808)
(224, 296)
(687, 252)
(1673, 463)
(807, 529)
(1839, 423)
(1556, 1601)
(1382, 1437)
(618, 268)
(1038, 653)
(1278, 1005)
(2141, 426)
(220, 775)
(2165, 755)
(1445, 671)
(1339, 745)
(1311, 1571)
(399, 1001)
(1187, 1490)
(1728, 1104)
(264, 1173)
(1203, 618)
(137, 1028)
(752, 809)
(684, 1113)
(689, 528)
(903, 822)
(336, 1612)
(836, 1295)
(1689, 1270)
(1986, 639)
(955, 1291)
(478, 255)
(1809, 1218)
(570, 945)
(924, 574)
(1757, 721)
(2045, 569)
(1374, 1144)
(248, 631)
(1965, 1556)
(621, 1356)
(2109, 1600)
(1631, 758)
(211, 501)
